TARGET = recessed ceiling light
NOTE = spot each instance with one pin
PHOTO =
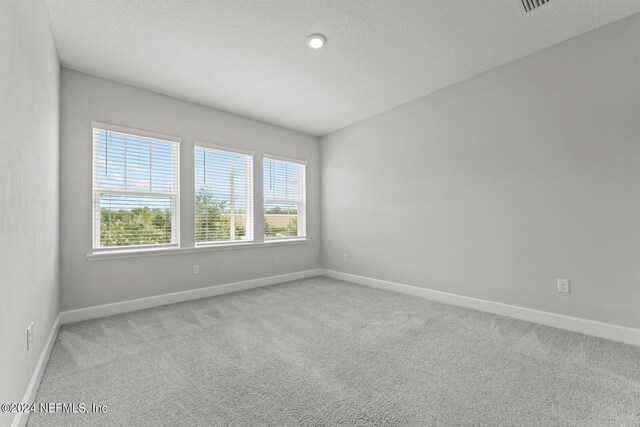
(316, 41)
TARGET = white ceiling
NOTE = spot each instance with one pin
(249, 56)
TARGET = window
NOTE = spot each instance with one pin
(224, 194)
(284, 198)
(135, 188)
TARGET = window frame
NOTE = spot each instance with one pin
(96, 192)
(98, 253)
(250, 194)
(302, 202)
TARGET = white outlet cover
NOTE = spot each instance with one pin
(196, 269)
(30, 336)
(563, 286)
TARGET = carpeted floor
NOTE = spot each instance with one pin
(324, 352)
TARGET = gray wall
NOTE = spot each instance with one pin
(87, 283)
(497, 186)
(29, 190)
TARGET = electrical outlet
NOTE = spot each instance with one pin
(563, 286)
(30, 336)
(196, 269)
(346, 257)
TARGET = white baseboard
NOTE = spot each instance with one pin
(29, 396)
(608, 331)
(97, 311)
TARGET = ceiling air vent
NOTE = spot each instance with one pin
(531, 5)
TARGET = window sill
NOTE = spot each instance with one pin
(136, 253)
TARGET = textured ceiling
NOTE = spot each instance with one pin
(249, 56)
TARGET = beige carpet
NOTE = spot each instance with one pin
(323, 352)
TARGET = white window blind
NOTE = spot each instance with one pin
(284, 198)
(135, 188)
(223, 194)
